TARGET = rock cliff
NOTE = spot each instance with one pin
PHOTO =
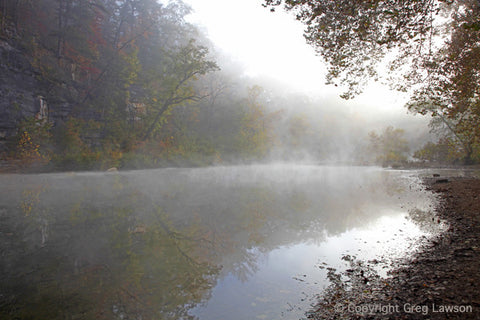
(25, 94)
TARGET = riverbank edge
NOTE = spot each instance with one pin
(438, 281)
(17, 167)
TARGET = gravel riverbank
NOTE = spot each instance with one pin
(440, 281)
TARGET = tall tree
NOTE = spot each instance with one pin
(184, 65)
(355, 36)
(451, 91)
(434, 45)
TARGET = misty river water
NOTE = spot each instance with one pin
(237, 242)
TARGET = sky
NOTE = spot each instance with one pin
(271, 45)
(266, 43)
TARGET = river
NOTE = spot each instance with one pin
(233, 242)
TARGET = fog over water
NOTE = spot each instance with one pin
(257, 47)
(239, 241)
(249, 238)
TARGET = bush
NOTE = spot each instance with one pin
(33, 143)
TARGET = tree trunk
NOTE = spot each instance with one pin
(468, 157)
(157, 117)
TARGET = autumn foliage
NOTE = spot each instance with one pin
(133, 75)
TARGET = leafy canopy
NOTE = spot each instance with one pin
(430, 47)
(355, 36)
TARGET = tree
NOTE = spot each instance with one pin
(141, 267)
(450, 93)
(389, 147)
(256, 134)
(354, 37)
(184, 65)
(444, 151)
(433, 45)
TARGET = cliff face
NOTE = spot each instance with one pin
(18, 87)
(24, 95)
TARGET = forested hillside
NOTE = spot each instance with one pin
(101, 83)
(131, 84)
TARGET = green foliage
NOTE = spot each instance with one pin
(123, 64)
(256, 135)
(185, 64)
(388, 148)
(134, 76)
(445, 151)
(73, 150)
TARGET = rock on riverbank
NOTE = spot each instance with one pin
(440, 281)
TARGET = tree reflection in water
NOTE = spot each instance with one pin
(152, 244)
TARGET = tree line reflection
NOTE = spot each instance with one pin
(131, 247)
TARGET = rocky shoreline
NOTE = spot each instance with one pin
(439, 281)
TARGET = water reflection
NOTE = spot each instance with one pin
(213, 243)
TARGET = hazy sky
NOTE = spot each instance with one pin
(272, 45)
(267, 43)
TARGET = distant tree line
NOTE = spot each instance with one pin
(430, 48)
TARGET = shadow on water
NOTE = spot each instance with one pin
(243, 242)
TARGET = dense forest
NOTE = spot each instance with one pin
(131, 84)
(122, 83)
